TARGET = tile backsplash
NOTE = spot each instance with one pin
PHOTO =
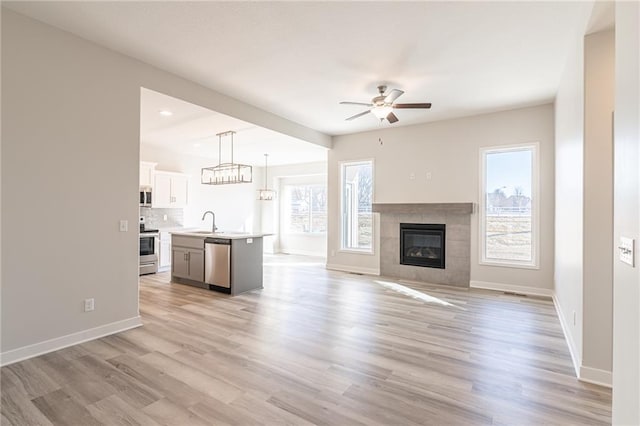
(155, 218)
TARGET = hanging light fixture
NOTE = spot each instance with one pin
(266, 194)
(226, 173)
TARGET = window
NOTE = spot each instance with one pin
(508, 207)
(356, 198)
(306, 207)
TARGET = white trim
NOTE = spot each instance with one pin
(511, 288)
(365, 252)
(535, 214)
(595, 376)
(354, 269)
(30, 351)
(341, 165)
(573, 349)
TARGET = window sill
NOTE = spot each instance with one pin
(509, 265)
(356, 251)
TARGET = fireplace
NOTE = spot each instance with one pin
(422, 244)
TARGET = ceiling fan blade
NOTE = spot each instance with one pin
(355, 103)
(424, 105)
(392, 96)
(391, 118)
(359, 115)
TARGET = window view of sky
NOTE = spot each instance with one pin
(509, 170)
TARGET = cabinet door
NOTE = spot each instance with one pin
(196, 265)
(161, 196)
(165, 254)
(179, 191)
(180, 262)
(146, 173)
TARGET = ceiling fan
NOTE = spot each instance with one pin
(382, 105)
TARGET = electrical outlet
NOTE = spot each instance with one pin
(165, 217)
(89, 305)
(428, 175)
(124, 225)
(412, 176)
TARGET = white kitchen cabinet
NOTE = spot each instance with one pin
(146, 173)
(170, 190)
(164, 251)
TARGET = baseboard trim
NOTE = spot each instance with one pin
(596, 376)
(354, 269)
(573, 350)
(511, 288)
(36, 349)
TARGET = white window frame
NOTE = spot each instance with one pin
(342, 165)
(535, 213)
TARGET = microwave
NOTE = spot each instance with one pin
(145, 196)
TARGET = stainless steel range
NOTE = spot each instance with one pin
(148, 249)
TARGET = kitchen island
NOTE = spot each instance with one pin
(222, 261)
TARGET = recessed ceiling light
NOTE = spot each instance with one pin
(166, 113)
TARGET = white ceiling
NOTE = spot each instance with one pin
(299, 59)
(191, 130)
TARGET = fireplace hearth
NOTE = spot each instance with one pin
(422, 244)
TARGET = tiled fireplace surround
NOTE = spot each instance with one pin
(456, 217)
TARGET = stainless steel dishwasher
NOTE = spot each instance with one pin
(217, 262)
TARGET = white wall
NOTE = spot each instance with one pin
(236, 206)
(70, 114)
(599, 91)
(449, 150)
(569, 147)
(626, 314)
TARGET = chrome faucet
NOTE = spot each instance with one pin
(214, 228)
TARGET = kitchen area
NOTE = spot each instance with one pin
(209, 202)
(227, 262)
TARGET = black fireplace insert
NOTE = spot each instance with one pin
(422, 244)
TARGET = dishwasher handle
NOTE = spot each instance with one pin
(225, 241)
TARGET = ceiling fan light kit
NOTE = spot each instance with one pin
(382, 106)
(226, 173)
(266, 194)
(382, 111)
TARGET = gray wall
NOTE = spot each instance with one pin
(599, 70)
(70, 145)
(450, 151)
(626, 302)
(584, 205)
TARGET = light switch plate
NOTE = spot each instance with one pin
(626, 249)
(249, 240)
(124, 225)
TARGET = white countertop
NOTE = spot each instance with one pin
(228, 235)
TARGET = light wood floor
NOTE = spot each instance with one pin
(313, 347)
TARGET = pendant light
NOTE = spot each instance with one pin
(266, 194)
(226, 173)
